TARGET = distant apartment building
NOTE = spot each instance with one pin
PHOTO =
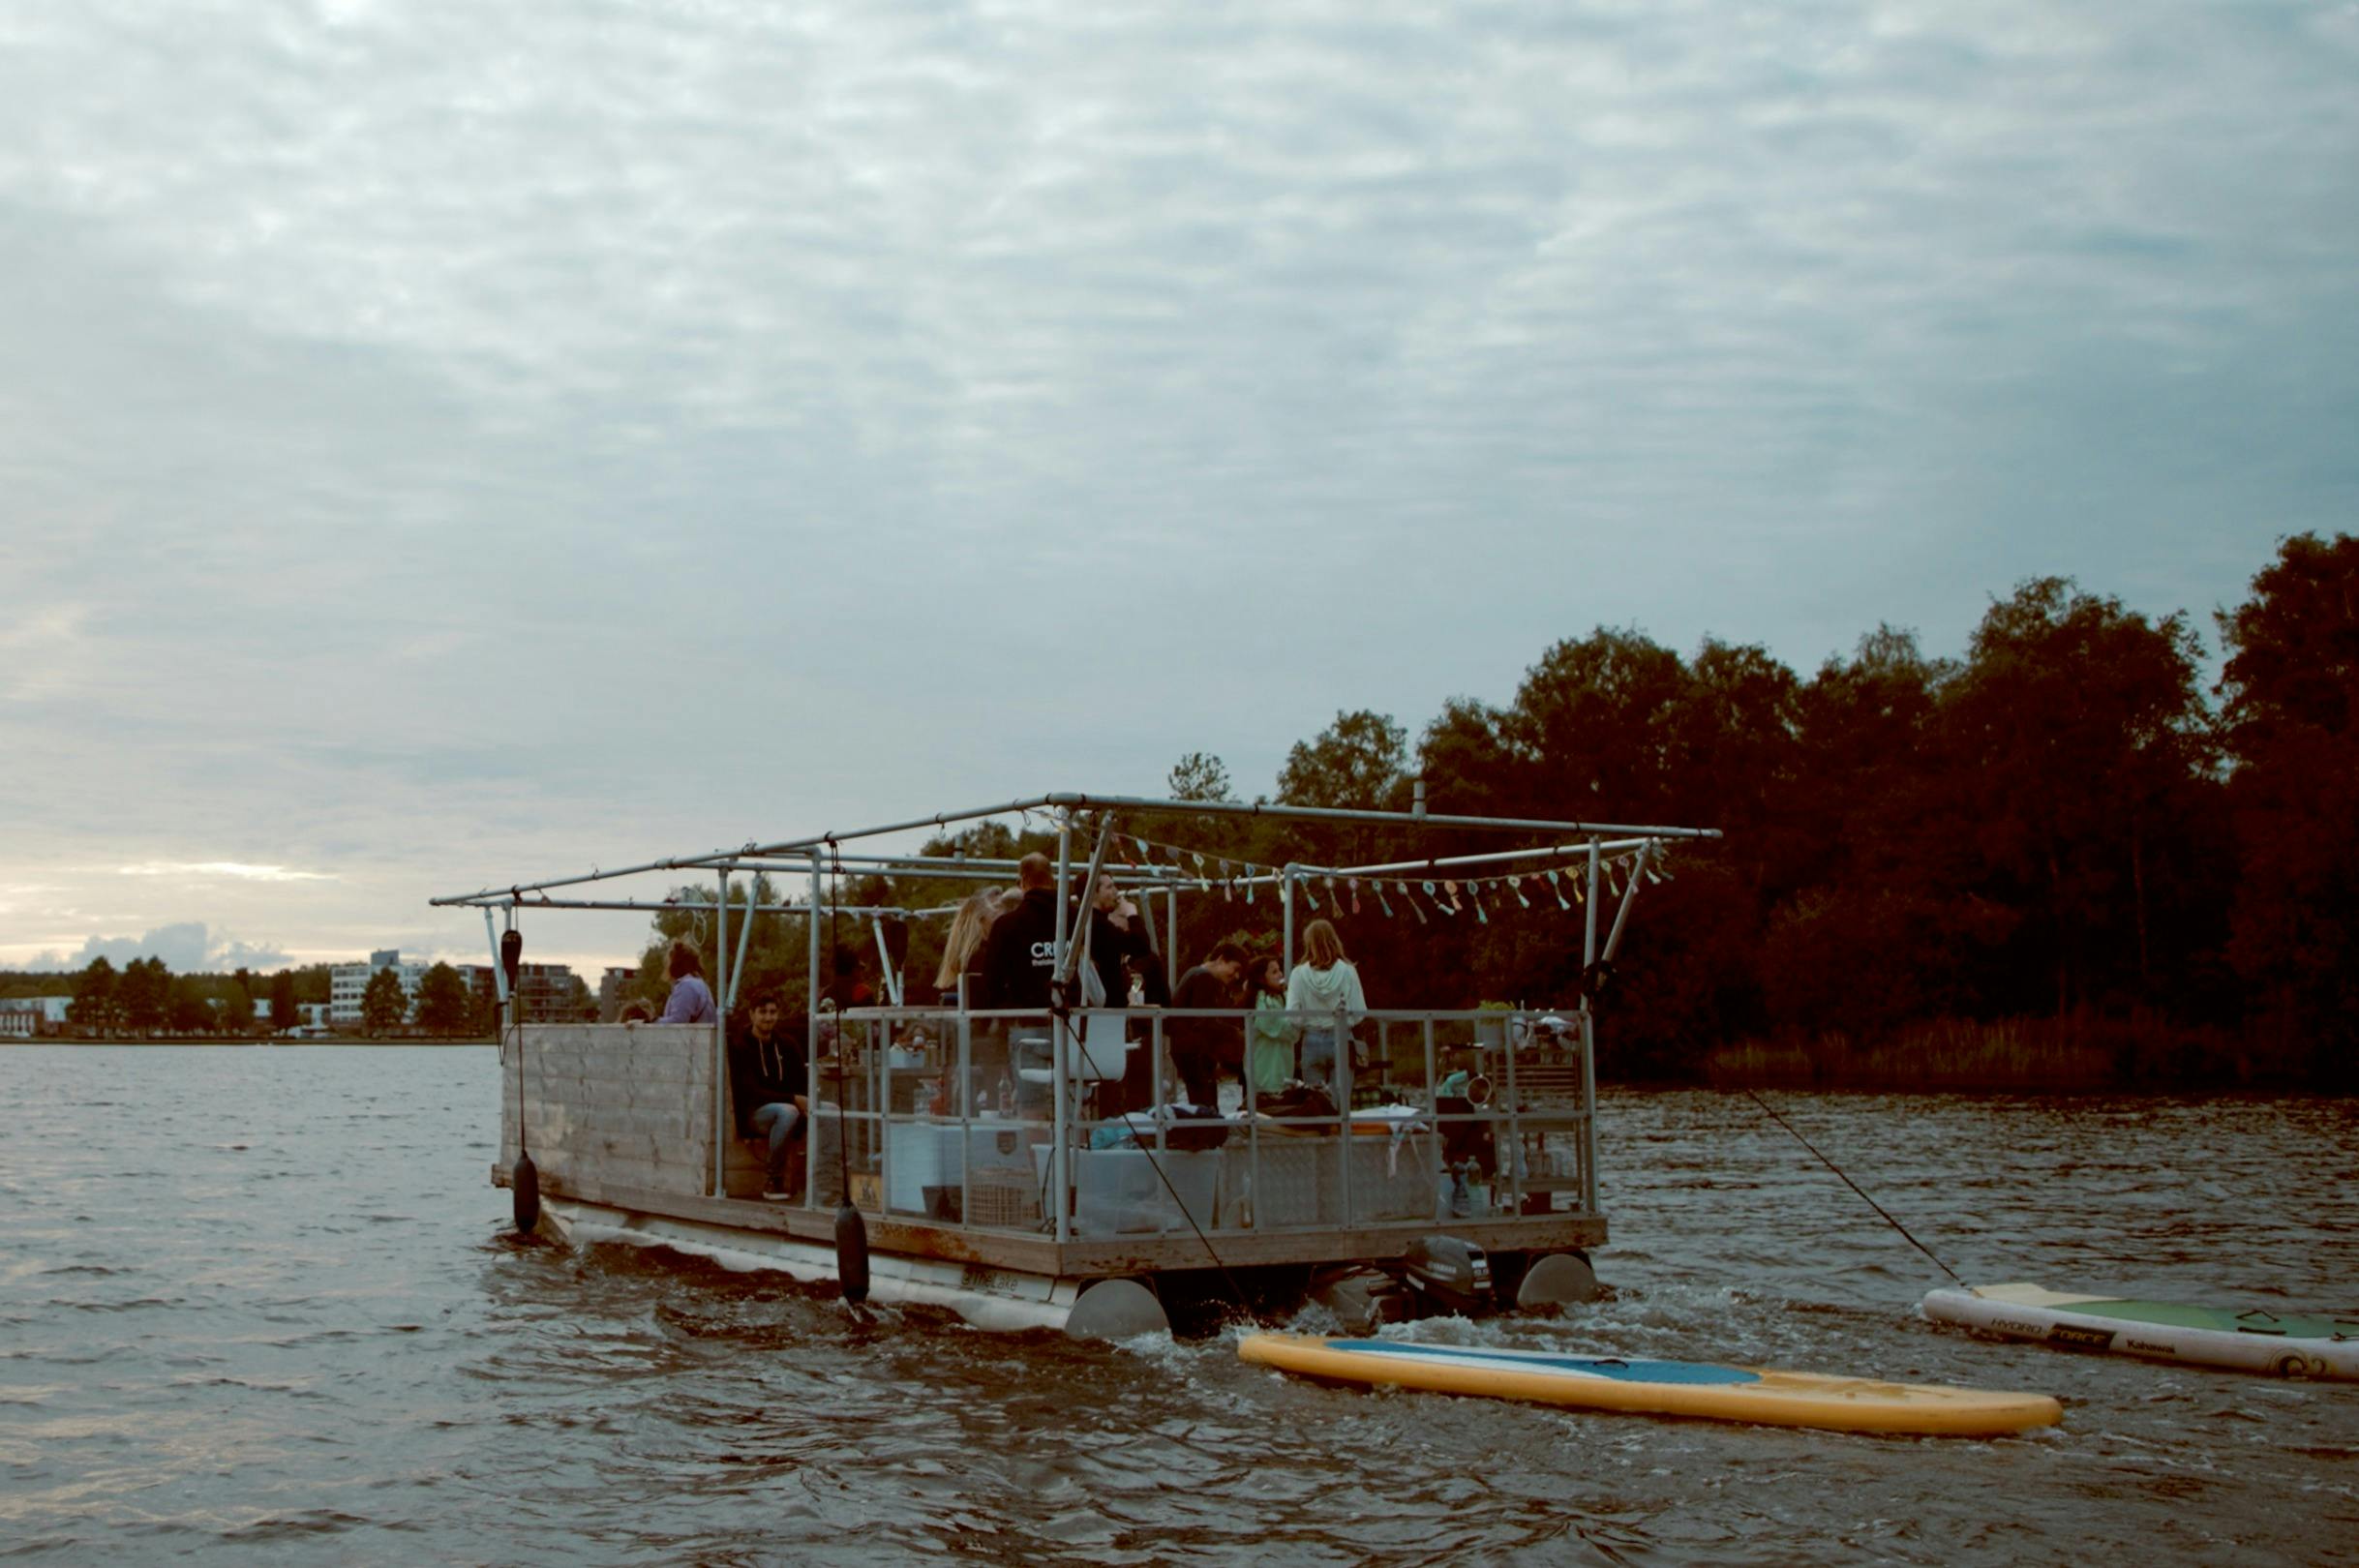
(27, 1017)
(551, 992)
(347, 983)
(613, 989)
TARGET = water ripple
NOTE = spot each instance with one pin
(324, 1345)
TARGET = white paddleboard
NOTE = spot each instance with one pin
(2247, 1339)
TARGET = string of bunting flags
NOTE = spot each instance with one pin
(1449, 897)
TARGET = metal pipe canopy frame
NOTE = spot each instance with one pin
(813, 854)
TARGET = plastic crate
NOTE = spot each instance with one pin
(1008, 1196)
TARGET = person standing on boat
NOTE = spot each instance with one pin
(962, 949)
(1019, 960)
(1122, 946)
(1270, 1036)
(1197, 1042)
(769, 1089)
(1119, 934)
(1019, 957)
(1325, 982)
(691, 999)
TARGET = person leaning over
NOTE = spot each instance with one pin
(1195, 1042)
(770, 1085)
(1324, 982)
(691, 999)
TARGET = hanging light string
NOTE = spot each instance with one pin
(1452, 897)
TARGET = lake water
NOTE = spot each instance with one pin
(256, 1304)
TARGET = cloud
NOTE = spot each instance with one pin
(224, 868)
(41, 652)
(186, 946)
(441, 445)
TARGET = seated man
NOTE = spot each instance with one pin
(770, 1088)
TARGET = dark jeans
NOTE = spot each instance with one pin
(1200, 1077)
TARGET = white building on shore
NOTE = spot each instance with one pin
(28, 1017)
(348, 982)
(549, 990)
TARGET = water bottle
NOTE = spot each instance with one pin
(1007, 1096)
(1478, 1192)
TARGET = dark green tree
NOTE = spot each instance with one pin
(2074, 740)
(1360, 762)
(382, 1004)
(96, 1002)
(2291, 714)
(284, 1014)
(234, 1013)
(188, 1011)
(1877, 927)
(1594, 730)
(145, 994)
(1200, 776)
(446, 1007)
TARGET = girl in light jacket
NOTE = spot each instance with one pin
(1325, 982)
(1270, 1035)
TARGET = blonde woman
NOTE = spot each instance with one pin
(961, 947)
(1324, 982)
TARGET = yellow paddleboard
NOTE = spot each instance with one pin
(1673, 1388)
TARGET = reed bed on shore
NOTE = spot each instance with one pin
(2077, 1053)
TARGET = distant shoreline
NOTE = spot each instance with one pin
(237, 1039)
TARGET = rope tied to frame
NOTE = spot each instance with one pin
(1854, 1186)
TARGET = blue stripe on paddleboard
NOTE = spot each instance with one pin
(1623, 1371)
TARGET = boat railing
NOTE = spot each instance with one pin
(1076, 1124)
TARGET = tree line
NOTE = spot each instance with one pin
(2064, 830)
(145, 997)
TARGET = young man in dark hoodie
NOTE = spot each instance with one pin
(1197, 1045)
(770, 1088)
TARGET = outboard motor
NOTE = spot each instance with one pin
(1451, 1274)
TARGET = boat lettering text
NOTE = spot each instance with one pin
(2152, 1348)
(2007, 1325)
(977, 1277)
(2088, 1339)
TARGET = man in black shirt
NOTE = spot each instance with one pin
(770, 1088)
(1019, 957)
(1019, 960)
(1197, 1042)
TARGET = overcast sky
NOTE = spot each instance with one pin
(441, 443)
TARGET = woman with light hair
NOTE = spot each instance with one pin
(1324, 982)
(962, 946)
